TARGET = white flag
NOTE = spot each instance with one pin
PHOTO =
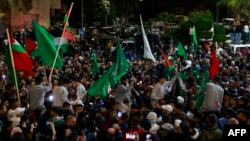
(147, 51)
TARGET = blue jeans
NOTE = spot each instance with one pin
(235, 38)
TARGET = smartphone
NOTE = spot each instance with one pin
(119, 114)
(148, 136)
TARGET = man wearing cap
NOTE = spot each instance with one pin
(167, 109)
(17, 118)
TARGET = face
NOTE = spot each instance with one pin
(53, 113)
(4, 109)
(71, 122)
(241, 117)
(162, 80)
(79, 109)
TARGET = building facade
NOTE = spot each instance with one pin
(41, 12)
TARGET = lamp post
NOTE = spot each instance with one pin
(140, 6)
(82, 14)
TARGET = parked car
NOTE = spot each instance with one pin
(228, 23)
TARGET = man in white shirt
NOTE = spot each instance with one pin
(161, 88)
(213, 99)
(80, 89)
(123, 91)
(60, 92)
(36, 94)
(246, 33)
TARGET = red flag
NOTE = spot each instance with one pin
(214, 65)
(21, 59)
(68, 35)
(165, 58)
(30, 45)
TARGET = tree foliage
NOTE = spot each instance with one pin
(4, 6)
(236, 6)
(22, 5)
(96, 11)
(126, 8)
(219, 33)
(203, 22)
(167, 17)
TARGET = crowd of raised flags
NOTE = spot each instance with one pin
(45, 46)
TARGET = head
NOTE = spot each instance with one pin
(242, 115)
(162, 78)
(167, 109)
(146, 124)
(70, 121)
(233, 121)
(111, 132)
(3, 109)
(78, 108)
(211, 119)
(38, 80)
(152, 116)
(217, 78)
(124, 80)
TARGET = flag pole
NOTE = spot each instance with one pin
(59, 46)
(13, 65)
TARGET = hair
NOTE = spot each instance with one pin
(217, 78)
(212, 119)
(44, 138)
(57, 110)
(66, 103)
(1, 106)
(18, 136)
(146, 124)
(38, 79)
(165, 118)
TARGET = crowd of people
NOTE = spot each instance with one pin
(150, 103)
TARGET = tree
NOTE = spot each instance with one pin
(22, 5)
(235, 5)
(219, 33)
(97, 10)
(203, 21)
(126, 8)
(4, 6)
(106, 5)
(166, 17)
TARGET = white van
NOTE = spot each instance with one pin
(228, 23)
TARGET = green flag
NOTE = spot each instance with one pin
(195, 43)
(100, 86)
(181, 51)
(94, 65)
(110, 76)
(120, 67)
(46, 47)
(200, 96)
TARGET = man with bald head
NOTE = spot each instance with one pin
(110, 134)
